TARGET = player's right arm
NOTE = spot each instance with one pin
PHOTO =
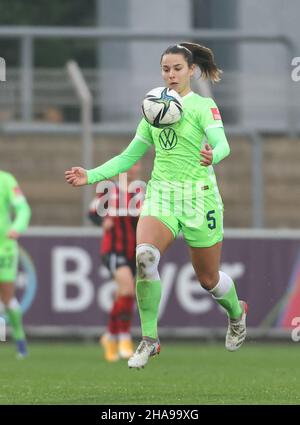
(78, 176)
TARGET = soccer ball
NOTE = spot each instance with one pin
(162, 107)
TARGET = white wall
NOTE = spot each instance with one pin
(266, 69)
(133, 69)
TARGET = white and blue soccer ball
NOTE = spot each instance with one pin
(162, 107)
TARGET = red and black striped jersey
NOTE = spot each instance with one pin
(121, 237)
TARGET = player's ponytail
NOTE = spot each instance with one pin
(204, 58)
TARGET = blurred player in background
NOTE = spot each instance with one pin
(14, 218)
(197, 142)
(117, 253)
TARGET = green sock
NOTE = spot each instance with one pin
(148, 297)
(231, 303)
(15, 320)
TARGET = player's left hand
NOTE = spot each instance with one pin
(108, 223)
(207, 155)
(12, 234)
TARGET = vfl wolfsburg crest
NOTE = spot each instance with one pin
(167, 138)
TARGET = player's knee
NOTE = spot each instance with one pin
(208, 280)
(147, 259)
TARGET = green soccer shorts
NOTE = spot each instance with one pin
(200, 221)
(8, 260)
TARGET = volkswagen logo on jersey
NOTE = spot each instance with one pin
(168, 138)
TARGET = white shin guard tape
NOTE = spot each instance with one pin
(147, 259)
(223, 286)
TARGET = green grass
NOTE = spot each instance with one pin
(184, 373)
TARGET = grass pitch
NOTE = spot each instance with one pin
(184, 374)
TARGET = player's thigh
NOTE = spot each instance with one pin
(206, 263)
(151, 230)
(7, 291)
(125, 280)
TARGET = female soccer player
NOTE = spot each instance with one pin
(118, 255)
(12, 200)
(186, 160)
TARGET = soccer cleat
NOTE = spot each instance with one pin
(110, 347)
(21, 349)
(145, 350)
(236, 332)
(125, 348)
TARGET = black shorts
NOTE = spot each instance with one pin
(114, 260)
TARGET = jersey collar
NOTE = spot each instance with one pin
(187, 95)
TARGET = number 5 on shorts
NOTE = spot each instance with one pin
(211, 219)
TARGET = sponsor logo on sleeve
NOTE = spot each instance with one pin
(216, 113)
(18, 191)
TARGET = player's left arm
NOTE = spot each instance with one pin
(217, 147)
(216, 138)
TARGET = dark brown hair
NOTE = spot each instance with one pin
(199, 55)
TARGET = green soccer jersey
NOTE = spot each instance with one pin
(12, 203)
(177, 147)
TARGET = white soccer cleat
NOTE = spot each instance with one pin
(141, 356)
(236, 332)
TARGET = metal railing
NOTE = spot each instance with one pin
(86, 101)
(28, 35)
(52, 90)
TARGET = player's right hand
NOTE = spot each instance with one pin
(76, 176)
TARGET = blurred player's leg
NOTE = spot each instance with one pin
(125, 281)
(9, 257)
(126, 304)
(14, 314)
(109, 340)
(117, 342)
(110, 345)
(15, 319)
